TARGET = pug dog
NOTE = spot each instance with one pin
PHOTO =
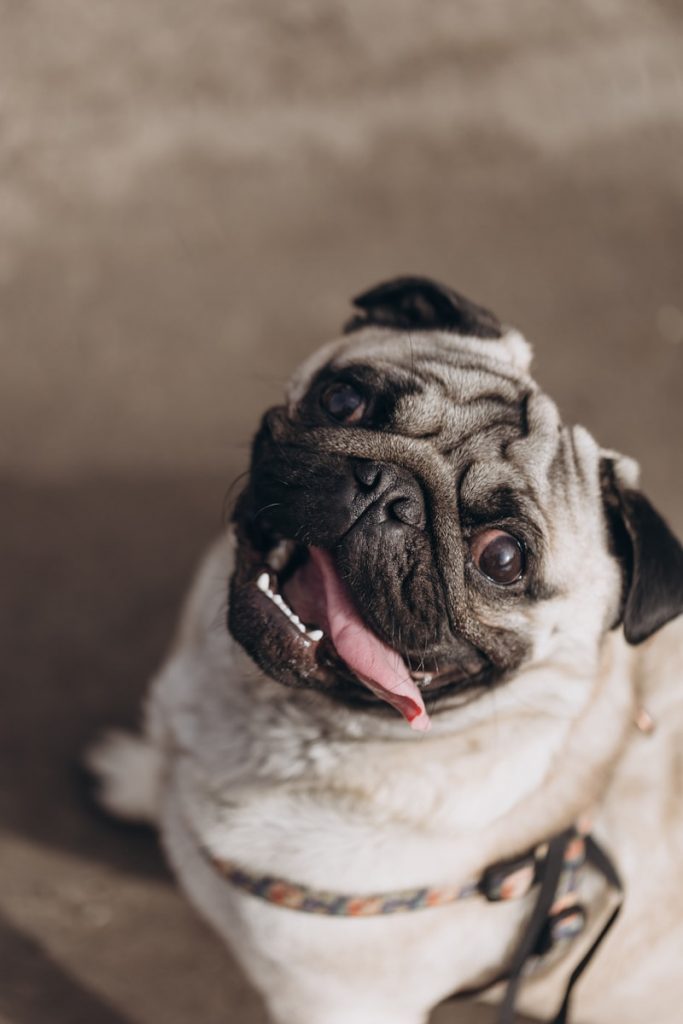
(449, 639)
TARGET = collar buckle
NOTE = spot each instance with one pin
(510, 879)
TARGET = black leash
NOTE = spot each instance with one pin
(548, 875)
(596, 856)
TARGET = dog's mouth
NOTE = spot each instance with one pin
(293, 611)
(317, 604)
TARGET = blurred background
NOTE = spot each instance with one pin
(189, 195)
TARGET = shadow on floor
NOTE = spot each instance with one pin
(34, 987)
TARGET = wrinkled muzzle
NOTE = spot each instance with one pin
(342, 548)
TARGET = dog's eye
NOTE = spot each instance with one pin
(343, 402)
(498, 555)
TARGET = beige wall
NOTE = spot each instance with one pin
(190, 193)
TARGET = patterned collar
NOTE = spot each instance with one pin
(557, 916)
(507, 880)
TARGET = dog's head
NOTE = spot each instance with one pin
(418, 522)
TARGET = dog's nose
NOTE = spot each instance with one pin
(391, 492)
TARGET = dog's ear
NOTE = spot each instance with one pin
(650, 555)
(420, 304)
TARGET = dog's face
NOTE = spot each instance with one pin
(419, 524)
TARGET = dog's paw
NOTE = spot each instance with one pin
(126, 771)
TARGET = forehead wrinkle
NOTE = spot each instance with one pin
(490, 472)
(458, 373)
(415, 454)
(465, 384)
(559, 493)
(475, 424)
(485, 478)
(574, 484)
(536, 485)
(406, 346)
(543, 433)
(566, 476)
(451, 405)
(508, 356)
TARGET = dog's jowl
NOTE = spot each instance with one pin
(410, 764)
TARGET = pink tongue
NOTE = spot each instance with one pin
(381, 669)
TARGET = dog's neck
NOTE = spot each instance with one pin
(491, 779)
(576, 775)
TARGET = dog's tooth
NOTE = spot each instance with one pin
(263, 582)
(284, 607)
(279, 556)
(315, 634)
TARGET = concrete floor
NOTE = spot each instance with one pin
(189, 196)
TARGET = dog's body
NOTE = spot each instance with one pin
(331, 789)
